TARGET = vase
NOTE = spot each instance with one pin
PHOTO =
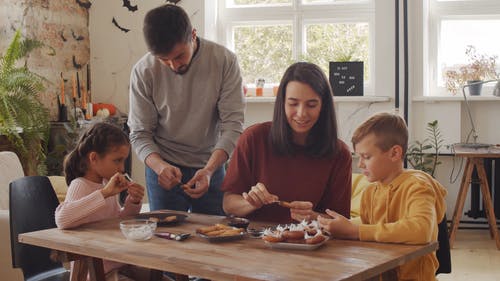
(475, 87)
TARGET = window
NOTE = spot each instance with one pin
(455, 25)
(269, 35)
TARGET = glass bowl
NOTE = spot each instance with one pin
(138, 229)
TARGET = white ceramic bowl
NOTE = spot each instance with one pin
(138, 229)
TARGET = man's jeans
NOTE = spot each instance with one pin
(175, 199)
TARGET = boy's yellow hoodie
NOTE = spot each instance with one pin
(408, 210)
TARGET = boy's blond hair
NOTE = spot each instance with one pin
(389, 129)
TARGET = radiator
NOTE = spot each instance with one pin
(477, 210)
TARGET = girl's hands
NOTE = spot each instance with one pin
(339, 226)
(258, 196)
(116, 184)
(135, 192)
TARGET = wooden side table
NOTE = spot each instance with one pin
(474, 158)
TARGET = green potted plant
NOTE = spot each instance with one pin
(478, 68)
(424, 155)
(24, 120)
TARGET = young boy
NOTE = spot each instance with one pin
(400, 206)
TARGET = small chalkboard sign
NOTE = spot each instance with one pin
(346, 78)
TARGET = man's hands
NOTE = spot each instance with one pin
(169, 176)
(198, 185)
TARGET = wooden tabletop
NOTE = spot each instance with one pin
(245, 259)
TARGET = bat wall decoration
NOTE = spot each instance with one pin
(61, 33)
(85, 5)
(126, 3)
(77, 38)
(119, 27)
(76, 65)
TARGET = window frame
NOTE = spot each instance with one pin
(451, 10)
(300, 15)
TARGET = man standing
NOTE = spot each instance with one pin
(186, 113)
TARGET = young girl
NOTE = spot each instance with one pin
(93, 171)
(297, 157)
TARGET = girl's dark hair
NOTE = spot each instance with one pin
(165, 27)
(101, 137)
(323, 137)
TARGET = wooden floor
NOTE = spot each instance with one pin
(474, 257)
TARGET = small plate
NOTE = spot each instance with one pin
(294, 246)
(222, 238)
(161, 217)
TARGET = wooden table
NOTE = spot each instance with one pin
(246, 259)
(475, 158)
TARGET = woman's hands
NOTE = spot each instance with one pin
(259, 196)
(339, 226)
(302, 210)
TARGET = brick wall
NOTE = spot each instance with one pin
(63, 27)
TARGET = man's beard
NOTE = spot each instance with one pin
(183, 69)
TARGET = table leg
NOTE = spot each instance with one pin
(79, 271)
(96, 269)
(459, 204)
(485, 189)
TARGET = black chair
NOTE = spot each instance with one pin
(443, 252)
(32, 205)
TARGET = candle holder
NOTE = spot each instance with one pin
(63, 113)
(74, 107)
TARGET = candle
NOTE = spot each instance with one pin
(78, 85)
(74, 86)
(84, 99)
(62, 90)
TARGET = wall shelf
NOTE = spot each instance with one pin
(336, 99)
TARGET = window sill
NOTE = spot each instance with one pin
(455, 98)
(336, 99)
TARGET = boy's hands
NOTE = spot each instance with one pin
(339, 226)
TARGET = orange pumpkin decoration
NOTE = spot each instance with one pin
(108, 106)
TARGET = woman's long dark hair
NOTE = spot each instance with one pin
(323, 137)
(101, 137)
